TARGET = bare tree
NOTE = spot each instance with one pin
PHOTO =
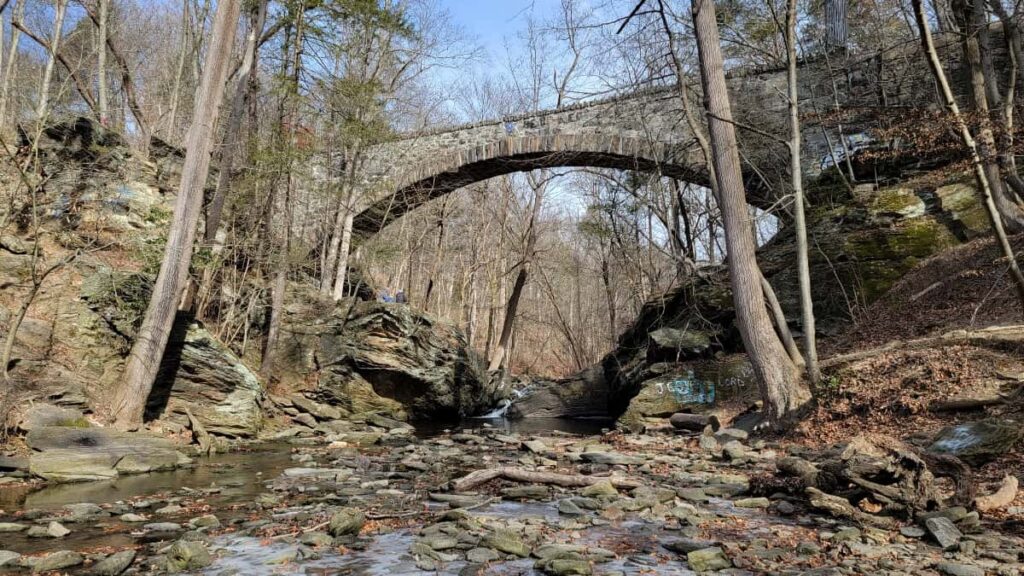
(54, 48)
(782, 390)
(796, 172)
(130, 398)
(981, 174)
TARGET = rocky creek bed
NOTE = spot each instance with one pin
(379, 499)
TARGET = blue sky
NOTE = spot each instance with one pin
(491, 21)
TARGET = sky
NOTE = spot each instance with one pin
(491, 21)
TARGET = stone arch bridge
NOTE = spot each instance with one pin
(644, 130)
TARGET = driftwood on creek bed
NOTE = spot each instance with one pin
(474, 479)
(877, 477)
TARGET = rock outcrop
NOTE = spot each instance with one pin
(377, 357)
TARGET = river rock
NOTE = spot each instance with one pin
(346, 521)
(8, 558)
(507, 542)
(114, 564)
(529, 492)
(957, 569)
(81, 454)
(708, 560)
(598, 489)
(11, 527)
(565, 567)
(42, 414)
(944, 532)
(56, 561)
(610, 458)
(83, 512)
(186, 555)
(482, 555)
(978, 442)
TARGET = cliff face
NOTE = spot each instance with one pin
(861, 244)
(103, 214)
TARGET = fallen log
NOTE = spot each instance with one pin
(965, 404)
(1001, 498)
(479, 477)
(840, 507)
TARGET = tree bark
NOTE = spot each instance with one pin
(836, 25)
(44, 89)
(17, 15)
(101, 60)
(129, 400)
(782, 390)
(981, 174)
(969, 12)
(796, 172)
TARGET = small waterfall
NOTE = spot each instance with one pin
(498, 412)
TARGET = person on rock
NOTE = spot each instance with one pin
(400, 297)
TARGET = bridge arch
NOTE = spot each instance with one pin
(463, 167)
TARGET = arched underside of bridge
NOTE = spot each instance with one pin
(450, 171)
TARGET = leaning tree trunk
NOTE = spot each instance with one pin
(101, 61)
(783, 391)
(969, 13)
(980, 172)
(129, 400)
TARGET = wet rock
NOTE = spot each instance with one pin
(114, 564)
(439, 542)
(708, 560)
(956, 569)
(187, 555)
(569, 508)
(11, 527)
(346, 522)
(599, 489)
(169, 510)
(163, 527)
(565, 567)
(205, 521)
(316, 539)
(482, 555)
(132, 518)
(80, 454)
(583, 394)
(51, 530)
(686, 545)
(83, 512)
(507, 542)
(56, 561)
(8, 558)
(535, 446)
(978, 442)
(529, 492)
(944, 532)
(752, 503)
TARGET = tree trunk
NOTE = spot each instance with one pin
(44, 89)
(966, 11)
(980, 173)
(341, 272)
(783, 391)
(179, 72)
(17, 15)
(836, 25)
(129, 400)
(101, 61)
(796, 172)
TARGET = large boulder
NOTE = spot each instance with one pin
(978, 442)
(78, 454)
(382, 357)
(199, 374)
(584, 394)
